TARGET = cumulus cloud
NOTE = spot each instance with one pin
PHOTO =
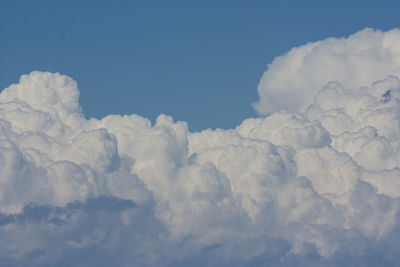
(292, 80)
(315, 184)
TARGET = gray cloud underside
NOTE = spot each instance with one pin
(315, 183)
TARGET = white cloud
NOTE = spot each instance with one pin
(310, 188)
(292, 80)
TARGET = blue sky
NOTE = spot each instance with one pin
(198, 61)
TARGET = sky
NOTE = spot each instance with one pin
(180, 58)
(199, 134)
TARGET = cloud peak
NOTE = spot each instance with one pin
(293, 79)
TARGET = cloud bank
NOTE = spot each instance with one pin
(315, 184)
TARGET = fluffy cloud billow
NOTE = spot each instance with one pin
(292, 80)
(316, 182)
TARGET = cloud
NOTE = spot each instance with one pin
(293, 79)
(314, 187)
